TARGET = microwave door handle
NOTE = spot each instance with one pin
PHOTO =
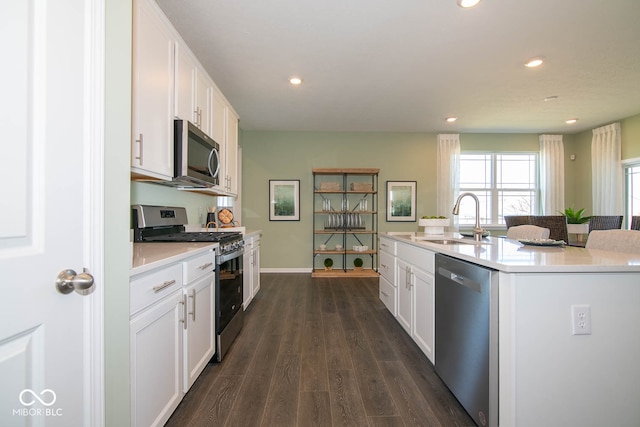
(214, 174)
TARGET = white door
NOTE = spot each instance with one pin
(48, 98)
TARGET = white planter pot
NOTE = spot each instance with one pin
(433, 225)
(578, 228)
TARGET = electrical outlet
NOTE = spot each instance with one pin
(581, 319)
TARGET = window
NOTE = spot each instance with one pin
(632, 189)
(505, 183)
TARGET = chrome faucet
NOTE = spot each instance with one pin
(477, 230)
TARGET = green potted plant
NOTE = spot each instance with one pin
(576, 223)
(433, 224)
(328, 263)
(357, 264)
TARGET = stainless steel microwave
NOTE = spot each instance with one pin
(196, 156)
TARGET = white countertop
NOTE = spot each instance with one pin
(512, 256)
(148, 256)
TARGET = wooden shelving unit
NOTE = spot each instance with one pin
(345, 212)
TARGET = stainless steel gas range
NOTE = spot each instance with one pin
(167, 224)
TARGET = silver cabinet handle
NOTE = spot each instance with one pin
(193, 305)
(140, 142)
(166, 284)
(406, 277)
(184, 311)
(384, 293)
(68, 281)
(383, 266)
(205, 266)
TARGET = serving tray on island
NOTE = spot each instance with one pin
(542, 242)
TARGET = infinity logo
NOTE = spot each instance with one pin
(36, 397)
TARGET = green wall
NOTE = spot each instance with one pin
(158, 195)
(292, 155)
(117, 166)
(399, 156)
(578, 172)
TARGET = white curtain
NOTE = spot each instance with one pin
(552, 174)
(606, 170)
(448, 173)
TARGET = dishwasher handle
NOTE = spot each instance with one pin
(460, 279)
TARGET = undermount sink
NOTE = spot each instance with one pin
(451, 242)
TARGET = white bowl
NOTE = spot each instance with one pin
(338, 247)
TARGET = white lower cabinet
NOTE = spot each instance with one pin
(199, 331)
(388, 290)
(416, 295)
(156, 362)
(423, 332)
(405, 296)
(171, 335)
(251, 266)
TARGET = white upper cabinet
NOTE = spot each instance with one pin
(193, 90)
(153, 83)
(185, 108)
(231, 149)
(203, 94)
(225, 133)
(169, 82)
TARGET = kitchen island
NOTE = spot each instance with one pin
(547, 375)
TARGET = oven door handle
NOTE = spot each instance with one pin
(226, 257)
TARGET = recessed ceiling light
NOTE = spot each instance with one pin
(571, 121)
(534, 62)
(451, 119)
(550, 98)
(295, 80)
(468, 3)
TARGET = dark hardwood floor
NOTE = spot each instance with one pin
(320, 352)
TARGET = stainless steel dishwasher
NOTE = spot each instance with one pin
(466, 342)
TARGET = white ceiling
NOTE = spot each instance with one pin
(405, 65)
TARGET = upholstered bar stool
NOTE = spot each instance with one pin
(615, 240)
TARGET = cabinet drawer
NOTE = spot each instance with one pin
(152, 287)
(387, 245)
(419, 257)
(388, 267)
(197, 267)
(387, 294)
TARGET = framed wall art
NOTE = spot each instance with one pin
(284, 200)
(401, 200)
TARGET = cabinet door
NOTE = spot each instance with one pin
(231, 157)
(185, 107)
(225, 133)
(256, 266)
(204, 90)
(247, 274)
(199, 336)
(423, 311)
(156, 361)
(387, 294)
(405, 304)
(388, 266)
(153, 88)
